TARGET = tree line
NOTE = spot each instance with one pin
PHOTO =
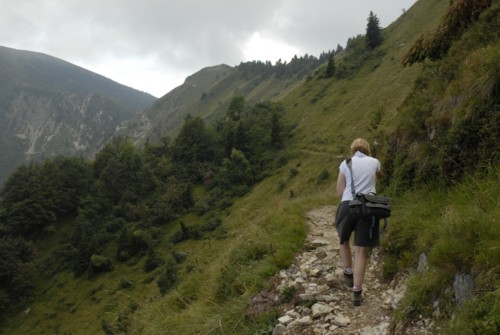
(302, 66)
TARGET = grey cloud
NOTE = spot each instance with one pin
(183, 35)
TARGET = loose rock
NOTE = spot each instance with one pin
(322, 305)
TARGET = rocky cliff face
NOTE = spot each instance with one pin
(50, 107)
(46, 125)
(41, 125)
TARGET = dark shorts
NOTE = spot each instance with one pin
(366, 230)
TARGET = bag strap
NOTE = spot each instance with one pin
(353, 191)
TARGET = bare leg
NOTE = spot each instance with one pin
(346, 255)
(361, 254)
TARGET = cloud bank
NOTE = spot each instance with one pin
(153, 45)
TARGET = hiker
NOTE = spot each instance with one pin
(365, 170)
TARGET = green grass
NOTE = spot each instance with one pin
(458, 229)
(265, 229)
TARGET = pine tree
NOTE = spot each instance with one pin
(339, 49)
(373, 32)
(330, 67)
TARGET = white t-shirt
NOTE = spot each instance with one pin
(364, 169)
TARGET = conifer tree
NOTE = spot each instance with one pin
(339, 49)
(330, 67)
(373, 32)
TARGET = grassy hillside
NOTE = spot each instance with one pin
(208, 93)
(330, 113)
(263, 229)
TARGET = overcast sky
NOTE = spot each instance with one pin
(153, 45)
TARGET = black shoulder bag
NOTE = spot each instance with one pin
(369, 204)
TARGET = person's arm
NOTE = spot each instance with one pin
(340, 184)
(379, 173)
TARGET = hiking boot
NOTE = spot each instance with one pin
(357, 298)
(348, 280)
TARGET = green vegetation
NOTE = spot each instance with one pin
(458, 230)
(176, 237)
(209, 92)
(118, 209)
(373, 32)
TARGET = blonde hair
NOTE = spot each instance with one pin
(360, 144)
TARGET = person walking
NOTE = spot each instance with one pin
(365, 171)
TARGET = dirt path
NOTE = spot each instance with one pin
(317, 301)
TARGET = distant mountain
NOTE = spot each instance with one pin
(49, 106)
(208, 92)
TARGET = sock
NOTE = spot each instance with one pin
(348, 270)
(357, 288)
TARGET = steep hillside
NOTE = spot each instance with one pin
(49, 107)
(208, 93)
(329, 113)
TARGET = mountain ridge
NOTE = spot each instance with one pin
(39, 70)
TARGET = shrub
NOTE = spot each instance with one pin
(168, 278)
(211, 224)
(201, 207)
(132, 243)
(288, 293)
(99, 264)
(293, 172)
(153, 260)
(179, 257)
(324, 175)
(126, 284)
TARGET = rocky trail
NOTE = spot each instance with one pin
(311, 299)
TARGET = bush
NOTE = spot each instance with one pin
(153, 260)
(323, 176)
(179, 257)
(288, 293)
(168, 278)
(15, 272)
(281, 185)
(99, 264)
(60, 259)
(132, 243)
(185, 233)
(211, 224)
(126, 284)
(201, 207)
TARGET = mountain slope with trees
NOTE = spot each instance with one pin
(177, 236)
(49, 107)
(208, 93)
